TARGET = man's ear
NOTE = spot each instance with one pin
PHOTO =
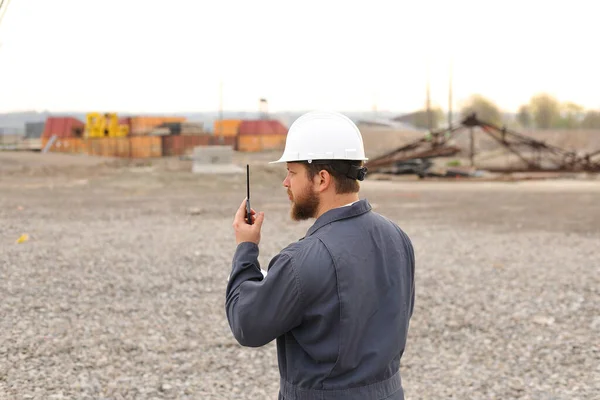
(323, 180)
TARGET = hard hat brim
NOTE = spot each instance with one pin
(285, 159)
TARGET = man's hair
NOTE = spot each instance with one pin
(343, 184)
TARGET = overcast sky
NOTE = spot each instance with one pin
(170, 55)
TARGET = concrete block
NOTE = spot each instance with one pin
(214, 160)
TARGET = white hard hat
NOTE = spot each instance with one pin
(321, 135)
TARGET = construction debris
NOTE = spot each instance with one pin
(535, 155)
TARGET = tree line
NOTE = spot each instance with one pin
(543, 111)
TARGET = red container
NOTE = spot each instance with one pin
(178, 145)
(223, 141)
(262, 127)
(63, 127)
(170, 145)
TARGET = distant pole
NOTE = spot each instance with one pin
(472, 139)
(450, 97)
(221, 108)
(429, 121)
(263, 108)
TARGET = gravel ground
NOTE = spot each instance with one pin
(119, 291)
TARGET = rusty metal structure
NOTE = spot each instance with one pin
(536, 155)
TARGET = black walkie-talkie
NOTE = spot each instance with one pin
(248, 209)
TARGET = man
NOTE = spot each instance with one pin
(339, 300)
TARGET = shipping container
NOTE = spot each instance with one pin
(192, 128)
(178, 145)
(191, 141)
(223, 140)
(170, 128)
(254, 143)
(171, 146)
(145, 146)
(71, 145)
(96, 146)
(62, 145)
(178, 128)
(108, 147)
(63, 127)
(79, 146)
(124, 147)
(261, 135)
(262, 127)
(139, 126)
(226, 127)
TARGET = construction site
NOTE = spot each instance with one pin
(116, 228)
(115, 260)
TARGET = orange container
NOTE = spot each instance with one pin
(81, 146)
(95, 147)
(273, 142)
(144, 125)
(122, 146)
(145, 146)
(126, 147)
(226, 127)
(111, 146)
(72, 145)
(253, 143)
(248, 143)
(65, 145)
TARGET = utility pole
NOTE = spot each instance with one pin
(450, 96)
(428, 102)
(472, 146)
(220, 133)
(263, 108)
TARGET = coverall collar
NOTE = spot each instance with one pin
(336, 214)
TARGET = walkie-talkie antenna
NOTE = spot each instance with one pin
(248, 208)
(248, 181)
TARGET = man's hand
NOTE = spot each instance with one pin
(245, 232)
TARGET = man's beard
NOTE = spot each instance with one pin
(305, 206)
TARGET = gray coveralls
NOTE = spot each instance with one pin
(338, 302)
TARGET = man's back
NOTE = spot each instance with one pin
(339, 300)
(355, 272)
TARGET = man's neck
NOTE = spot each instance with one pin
(335, 202)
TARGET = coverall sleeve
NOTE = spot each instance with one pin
(259, 309)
